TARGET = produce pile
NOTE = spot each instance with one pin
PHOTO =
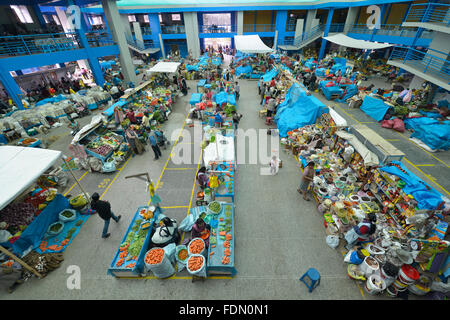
(102, 150)
(17, 216)
(183, 254)
(42, 263)
(132, 246)
(196, 246)
(224, 229)
(154, 256)
(195, 262)
(214, 207)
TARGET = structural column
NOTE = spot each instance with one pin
(118, 33)
(138, 34)
(192, 39)
(351, 18)
(126, 27)
(240, 22)
(310, 17)
(155, 28)
(325, 33)
(280, 27)
(11, 87)
(298, 29)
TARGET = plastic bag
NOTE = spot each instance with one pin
(332, 241)
(387, 124)
(188, 222)
(398, 125)
(170, 251)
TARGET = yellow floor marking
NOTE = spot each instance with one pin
(81, 178)
(448, 193)
(425, 165)
(180, 168)
(368, 122)
(392, 139)
(174, 207)
(115, 177)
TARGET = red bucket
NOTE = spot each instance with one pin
(408, 274)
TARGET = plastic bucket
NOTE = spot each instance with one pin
(164, 269)
(388, 279)
(399, 285)
(201, 272)
(371, 268)
(391, 291)
(372, 287)
(189, 247)
(408, 274)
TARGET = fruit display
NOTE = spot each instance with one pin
(102, 150)
(215, 207)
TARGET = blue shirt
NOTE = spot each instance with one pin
(218, 118)
(152, 140)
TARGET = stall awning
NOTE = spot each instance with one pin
(19, 169)
(370, 158)
(338, 119)
(251, 44)
(346, 41)
(162, 66)
(95, 122)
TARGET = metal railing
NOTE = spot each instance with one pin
(175, 29)
(218, 29)
(336, 27)
(259, 28)
(38, 43)
(395, 30)
(99, 38)
(423, 62)
(291, 27)
(307, 36)
(146, 31)
(430, 12)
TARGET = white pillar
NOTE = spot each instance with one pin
(299, 28)
(126, 27)
(138, 35)
(118, 33)
(315, 23)
(275, 40)
(161, 41)
(310, 16)
(240, 22)
(192, 39)
(351, 18)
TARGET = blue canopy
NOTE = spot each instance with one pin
(374, 108)
(269, 75)
(298, 110)
(427, 197)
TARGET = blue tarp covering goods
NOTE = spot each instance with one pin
(349, 91)
(244, 70)
(203, 61)
(223, 97)
(430, 131)
(269, 75)
(330, 90)
(426, 197)
(51, 100)
(374, 108)
(297, 110)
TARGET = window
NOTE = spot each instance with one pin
(96, 20)
(160, 17)
(176, 17)
(146, 18)
(22, 13)
(131, 18)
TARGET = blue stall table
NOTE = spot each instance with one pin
(229, 185)
(195, 98)
(222, 222)
(133, 267)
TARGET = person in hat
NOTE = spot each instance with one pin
(103, 209)
(307, 178)
(201, 230)
(362, 231)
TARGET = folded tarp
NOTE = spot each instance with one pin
(110, 111)
(244, 70)
(374, 108)
(34, 233)
(427, 197)
(298, 110)
(269, 75)
(434, 115)
(370, 158)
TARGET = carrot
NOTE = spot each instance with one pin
(226, 244)
(222, 233)
(225, 260)
(183, 254)
(120, 262)
(227, 252)
(154, 256)
(229, 236)
(221, 219)
(195, 263)
(212, 252)
(52, 247)
(196, 246)
(213, 246)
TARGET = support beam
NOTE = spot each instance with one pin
(299, 28)
(138, 35)
(310, 16)
(11, 87)
(325, 33)
(240, 22)
(192, 38)
(118, 33)
(351, 18)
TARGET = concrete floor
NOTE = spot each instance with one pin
(278, 235)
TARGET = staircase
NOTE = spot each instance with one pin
(307, 38)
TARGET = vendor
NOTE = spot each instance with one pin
(134, 142)
(166, 233)
(145, 121)
(130, 115)
(202, 178)
(201, 230)
(361, 232)
(307, 178)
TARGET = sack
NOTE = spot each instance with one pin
(170, 250)
(181, 264)
(188, 222)
(201, 272)
(332, 241)
(387, 124)
(162, 270)
(398, 125)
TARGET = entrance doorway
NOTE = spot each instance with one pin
(215, 43)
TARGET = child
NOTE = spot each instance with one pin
(274, 165)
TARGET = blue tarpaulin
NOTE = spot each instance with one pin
(349, 91)
(37, 229)
(339, 60)
(223, 97)
(320, 72)
(338, 66)
(195, 98)
(51, 100)
(244, 70)
(297, 110)
(190, 67)
(269, 75)
(374, 108)
(107, 64)
(110, 111)
(329, 91)
(430, 131)
(427, 197)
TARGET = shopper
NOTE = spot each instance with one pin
(361, 232)
(134, 142)
(237, 89)
(153, 140)
(236, 118)
(274, 165)
(271, 105)
(103, 209)
(202, 178)
(307, 178)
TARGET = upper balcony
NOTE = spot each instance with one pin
(432, 16)
(427, 65)
(249, 28)
(174, 29)
(217, 28)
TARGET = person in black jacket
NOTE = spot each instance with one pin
(103, 209)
